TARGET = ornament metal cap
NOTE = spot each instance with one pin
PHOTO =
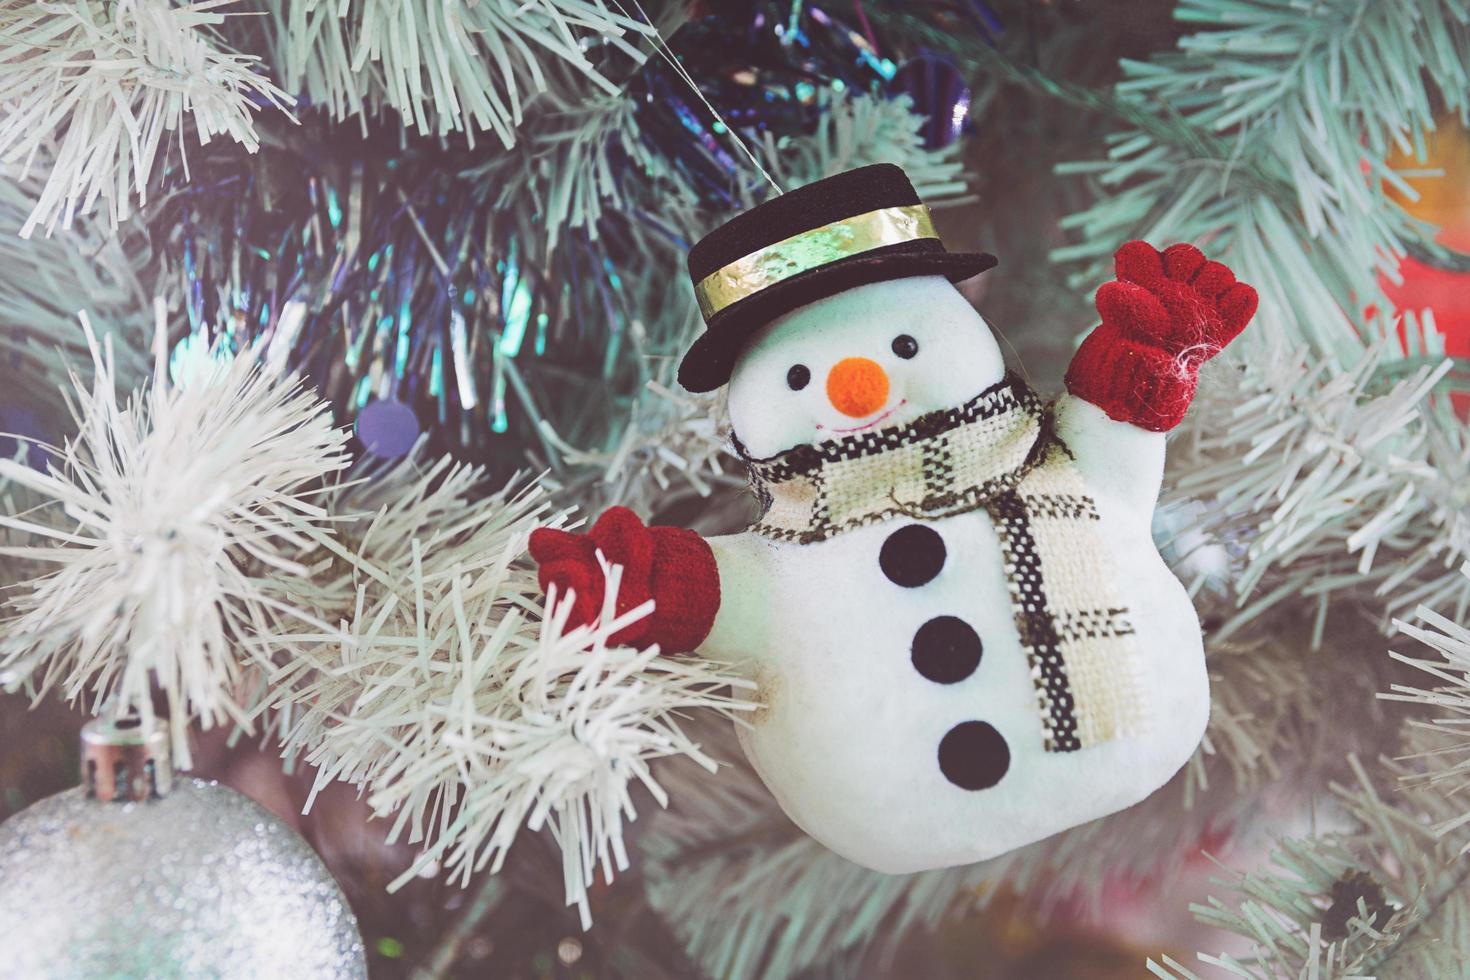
(126, 760)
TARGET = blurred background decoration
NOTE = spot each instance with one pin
(464, 227)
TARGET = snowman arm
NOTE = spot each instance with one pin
(1165, 315)
(741, 623)
(1118, 460)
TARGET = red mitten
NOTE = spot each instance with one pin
(1165, 315)
(670, 565)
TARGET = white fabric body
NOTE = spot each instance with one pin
(849, 732)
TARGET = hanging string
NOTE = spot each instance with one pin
(667, 53)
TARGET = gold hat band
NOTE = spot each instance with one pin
(811, 250)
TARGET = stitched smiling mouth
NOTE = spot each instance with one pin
(868, 425)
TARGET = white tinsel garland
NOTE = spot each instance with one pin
(405, 532)
(171, 522)
(92, 90)
(468, 720)
(466, 712)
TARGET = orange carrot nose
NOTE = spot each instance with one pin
(857, 386)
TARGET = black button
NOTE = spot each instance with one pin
(973, 755)
(946, 650)
(912, 555)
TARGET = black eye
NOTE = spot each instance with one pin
(797, 377)
(905, 346)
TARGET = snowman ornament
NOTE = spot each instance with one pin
(963, 637)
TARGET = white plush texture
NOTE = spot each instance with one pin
(958, 357)
(848, 735)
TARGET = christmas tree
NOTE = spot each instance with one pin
(314, 312)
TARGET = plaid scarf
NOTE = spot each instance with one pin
(997, 452)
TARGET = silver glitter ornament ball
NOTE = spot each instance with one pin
(117, 879)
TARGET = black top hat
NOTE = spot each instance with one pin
(867, 225)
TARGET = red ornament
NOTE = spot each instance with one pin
(1445, 291)
(1443, 201)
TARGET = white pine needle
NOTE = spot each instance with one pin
(1331, 476)
(42, 283)
(445, 67)
(861, 129)
(672, 440)
(1447, 699)
(1381, 896)
(170, 526)
(1329, 485)
(92, 90)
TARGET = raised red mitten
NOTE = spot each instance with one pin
(672, 566)
(1131, 381)
(1139, 262)
(1165, 315)
(1205, 302)
(1126, 302)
